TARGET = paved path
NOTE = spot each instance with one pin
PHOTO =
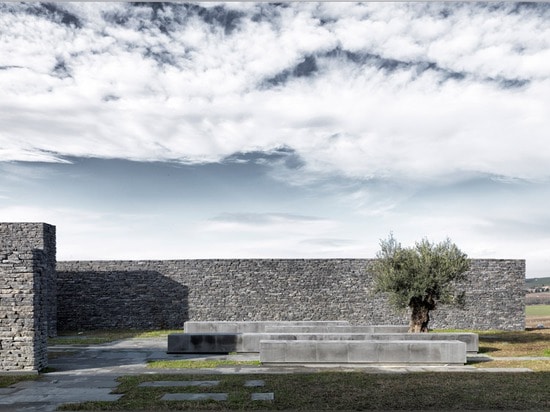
(89, 373)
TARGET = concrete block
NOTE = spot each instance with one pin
(250, 342)
(249, 326)
(332, 352)
(202, 343)
(355, 351)
(336, 329)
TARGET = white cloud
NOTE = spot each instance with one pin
(196, 93)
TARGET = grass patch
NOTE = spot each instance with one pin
(97, 337)
(157, 333)
(512, 344)
(8, 380)
(537, 310)
(196, 364)
(345, 391)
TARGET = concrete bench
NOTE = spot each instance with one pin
(250, 326)
(369, 352)
(250, 342)
(337, 329)
(203, 342)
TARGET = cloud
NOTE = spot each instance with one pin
(417, 91)
(268, 222)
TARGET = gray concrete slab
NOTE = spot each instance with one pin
(250, 326)
(296, 329)
(254, 383)
(178, 384)
(377, 352)
(262, 396)
(194, 397)
(250, 342)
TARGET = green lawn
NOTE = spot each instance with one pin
(344, 391)
(537, 310)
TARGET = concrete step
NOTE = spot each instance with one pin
(251, 326)
(337, 329)
(250, 342)
(273, 352)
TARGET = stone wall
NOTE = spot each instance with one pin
(153, 294)
(27, 294)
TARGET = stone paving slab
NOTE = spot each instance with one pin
(265, 396)
(194, 397)
(177, 384)
(254, 383)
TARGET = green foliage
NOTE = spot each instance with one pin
(425, 271)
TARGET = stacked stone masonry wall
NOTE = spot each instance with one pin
(164, 294)
(27, 294)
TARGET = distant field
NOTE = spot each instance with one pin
(537, 310)
(534, 282)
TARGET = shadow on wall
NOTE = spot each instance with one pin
(120, 300)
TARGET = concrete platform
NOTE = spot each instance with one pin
(337, 329)
(251, 326)
(250, 342)
(275, 352)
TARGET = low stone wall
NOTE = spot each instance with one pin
(27, 295)
(165, 294)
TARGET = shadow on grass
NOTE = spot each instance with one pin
(528, 336)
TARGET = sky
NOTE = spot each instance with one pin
(277, 130)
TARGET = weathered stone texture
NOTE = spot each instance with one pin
(27, 294)
(149, 294)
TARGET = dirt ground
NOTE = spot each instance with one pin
(532, 322)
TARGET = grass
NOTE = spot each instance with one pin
(537, 310)
(8, 380)
(196, 364)
(512, 344)
(344, 391)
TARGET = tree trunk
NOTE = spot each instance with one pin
(420, 315)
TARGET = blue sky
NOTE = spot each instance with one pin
(221, 130)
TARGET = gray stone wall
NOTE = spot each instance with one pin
(27, 294)
(153, 294)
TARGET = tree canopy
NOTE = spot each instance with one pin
(420, 276)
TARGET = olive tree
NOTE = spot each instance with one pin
(420, 277)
